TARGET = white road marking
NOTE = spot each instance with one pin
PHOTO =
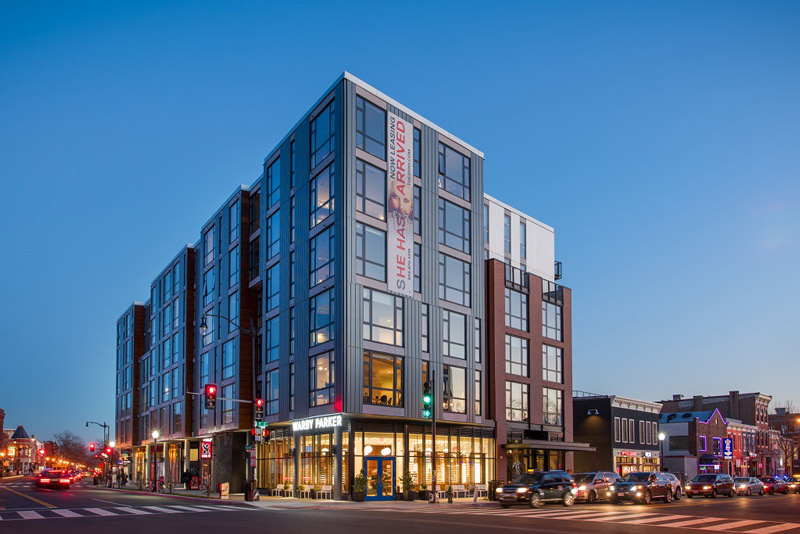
(30, 515)
(665, 517)
(160, 509)
(691, 522)
(189, 508)
(134, 511)
(735, 524)
(774, 528)
(66, 513)
(99, 511)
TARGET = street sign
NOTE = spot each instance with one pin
(261, 424)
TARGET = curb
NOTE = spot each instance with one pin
(172, 495)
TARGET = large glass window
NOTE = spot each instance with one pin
(209, 283)
(516, 310)
(370, 190)
(552, 364)
(273, 183)
(234, 213)
(425, 327)
(455, 389)
(553, 402)
(507, 233)
(417, 152)
(321, 253)
(273, 237)
(417, 268)
(383, 375)
(228, 392)
(478, 389)
(370, 252)
(486, 223)
(272, 393)
(523, 240)
(322, 196)
(551, 321)
(229, 359)
(370, 128)
(273, 288)
(454, 226)
(516, 401)
(383, 318)
(208, 240)
(322, 317)
(323, 128)
(208, 335)
(320, 380)
(477, 339)
(454, 280)
(516, 355)
(272, 338)
(454, 334)
(233, 311)
(292, 164)
(417, 210)
(233, 266)
(453, 172)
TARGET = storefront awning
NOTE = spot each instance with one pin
(550, 445)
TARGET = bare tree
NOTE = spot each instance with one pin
(71, 446)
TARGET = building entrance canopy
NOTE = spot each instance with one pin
(550, 445)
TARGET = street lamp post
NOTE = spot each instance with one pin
(106, 435)
(661, 437)
(155, 435)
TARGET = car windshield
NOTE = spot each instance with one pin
(765, 479)
(742, 480)
(636, 477)
(705, 478)
(53, 474)
(584, 478)
(527, 478)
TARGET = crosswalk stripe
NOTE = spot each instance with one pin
(664, 517)
(735, 524)
(134, 511)
(29, 514)
(222, 507)
(691, 522)
(66, 513)
(161, 509)
(100, 511)
(608, 515)
(774, 528)
(189, 508)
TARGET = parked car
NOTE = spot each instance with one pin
(748, 486)
(773, 485)
(676, 485)
(793, 482)
(642, 487)
(535, 489)
(593, 486)
(710, 485)
(53, 479)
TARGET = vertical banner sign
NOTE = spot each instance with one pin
(205, 449)
(400, 235)
(727, 449)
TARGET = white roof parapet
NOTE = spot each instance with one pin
(518, 212)
(635, 404)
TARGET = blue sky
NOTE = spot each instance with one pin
(660, 139)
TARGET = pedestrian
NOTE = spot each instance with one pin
(124, 479)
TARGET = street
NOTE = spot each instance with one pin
(85, 508)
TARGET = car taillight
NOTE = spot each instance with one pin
(64, 480)
(45, 481)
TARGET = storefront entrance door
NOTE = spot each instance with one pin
(380, 478)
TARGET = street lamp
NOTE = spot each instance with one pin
(661, 437)
(155, 435)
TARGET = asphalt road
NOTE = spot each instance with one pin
(86, 509)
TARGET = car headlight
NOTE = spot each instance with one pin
(743, 486)
(582, 488)
(688, 487)
(499, 490)
(706, 487)
(637, 487)
(522, 490)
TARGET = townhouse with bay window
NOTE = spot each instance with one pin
(363, 262)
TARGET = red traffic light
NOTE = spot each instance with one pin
(211, 389)
(92, 446)
(259, 402)
(108, 450)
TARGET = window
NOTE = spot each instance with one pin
(507, 233)
(208, 287)
(273, 338)
(229, 359)
(323, 140)
(370, 128)
(233, 267)
(273, 286)
(233, 311)
(273, 183)
(176, 278)
(370, 252)
(553, 403)
(552, 364)
(291, 386)
(208, 336)
(273, 237)
(523, 238)
(477, 339)
(292, 331)
(234, 213)
(321, 253)
(624, 429)
(167, 285)
(292, 164)
(551, 321)
(322, 196)
(165, 383)
(455, 389)
(516, 401)
(166, 320)
(383, 375)
(477, 392)
(176, 347)
(320, 380)
(208, 240)
(516, 310)
(454, 334)
(272, 393)
(425, 326)
(486, 223)
(453, 172)
(717, 446)
(417, 210)
(227, 406)
(383, 318)
(631, 431)
(322, 317)
(417, 268)
(291, 274)
(516, 355)
(292, 218)
(454, 280)
(454, 225)
(370, 190)
(644, 433)
(417, 152)
(617, 435)
(177, 419)
(678, 443)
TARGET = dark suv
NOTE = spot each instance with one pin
(710, 485)
(535, 489)
(593, 486)
(642, 487)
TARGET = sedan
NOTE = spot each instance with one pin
(748, 486)
(773, 485)
(642, 488)
(54, 479)
(710, 485)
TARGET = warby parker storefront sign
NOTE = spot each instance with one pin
(317, 423)
(400, 234)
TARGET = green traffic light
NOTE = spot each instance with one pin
(426, 399)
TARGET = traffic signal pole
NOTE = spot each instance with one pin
(433, 432)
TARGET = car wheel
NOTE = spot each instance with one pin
(689, 495)
(772, 491)
(504, 505)
(568, 499)
(731, 493)
(536, 501)
(646, 497)
(678, 494)
(615, 500)
(592, 497)
(749, 492)
(761, 492)
(713, 494)
(668, 496)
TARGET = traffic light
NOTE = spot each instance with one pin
(211, 396)
(92, 447)
(41, 452)
(259, 409)
(108, 451)
(427, 400)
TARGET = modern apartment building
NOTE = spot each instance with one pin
(349, 274)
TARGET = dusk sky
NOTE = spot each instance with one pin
(661, 140)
